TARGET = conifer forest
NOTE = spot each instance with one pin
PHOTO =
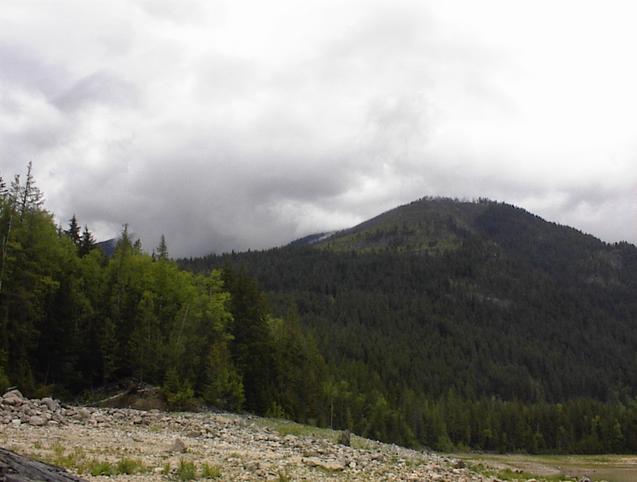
(442, 324)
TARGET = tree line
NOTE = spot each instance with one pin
(73, 319)
(460, 350)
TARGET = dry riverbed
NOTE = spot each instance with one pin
(124, 444)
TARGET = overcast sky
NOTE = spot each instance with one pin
(246, 124)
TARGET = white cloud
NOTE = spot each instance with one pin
(228, 125)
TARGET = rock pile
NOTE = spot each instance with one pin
(242, 447)
(16, 410)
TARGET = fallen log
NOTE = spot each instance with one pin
(16, 468)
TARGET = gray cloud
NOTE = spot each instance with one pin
(23, 68)
(98, 88)
(235, 125)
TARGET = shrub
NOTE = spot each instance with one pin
(179, 394)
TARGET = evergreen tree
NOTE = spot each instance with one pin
(87, 242)
(3, 189)
(9, 206)
(178, 392)
(223, 387)
(73, 232)
(162, 249)
(124, 243)
(30, 195)
(252, 345)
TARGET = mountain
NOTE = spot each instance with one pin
(496, 235)
(108, 246)
(428, 225)
(443, 303)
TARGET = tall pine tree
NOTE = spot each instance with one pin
(252, 346)
(73, 232)
(87, 242)
(162, 249)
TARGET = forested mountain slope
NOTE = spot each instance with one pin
(439, 323)
(447, 310)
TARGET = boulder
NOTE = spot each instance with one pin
(84, 413)
(13, 397)
(51, 404)
(37, 421)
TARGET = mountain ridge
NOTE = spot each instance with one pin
(457, 206)
(450, 303)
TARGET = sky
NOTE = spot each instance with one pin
(247, 124)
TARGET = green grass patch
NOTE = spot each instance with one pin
(283, 477)
(186, 470)
(76, 460)
(99, 467)
(210, 471)
(130, 466)
(70, 460)
(57, 448)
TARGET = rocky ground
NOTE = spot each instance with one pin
(125, 444)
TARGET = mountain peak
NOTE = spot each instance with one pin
(427, 225)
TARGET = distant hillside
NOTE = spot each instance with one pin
(442, 227)
(107, 247)
(442, 300)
